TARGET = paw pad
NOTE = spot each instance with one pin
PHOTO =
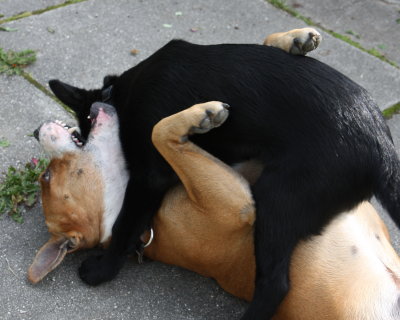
(212, 115)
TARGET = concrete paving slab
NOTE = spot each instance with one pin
(10, 8)
(374, 24)
(23, 109)
(94, 38)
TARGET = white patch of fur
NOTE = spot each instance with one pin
(360, 279)
(107, 152)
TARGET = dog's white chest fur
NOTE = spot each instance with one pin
(109, 157)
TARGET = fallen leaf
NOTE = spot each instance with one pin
(178, 13)
(166, 25)
(8, 29)
(134, 52)
(297, 5)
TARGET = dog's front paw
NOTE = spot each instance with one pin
(96, 269)
(207, 116)
(305, 40)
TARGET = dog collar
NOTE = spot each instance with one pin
(143, 245)
(150, 240)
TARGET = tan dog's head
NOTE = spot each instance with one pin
(82, 188)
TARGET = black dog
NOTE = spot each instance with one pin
(322, 139)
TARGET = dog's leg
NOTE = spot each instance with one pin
(286, 211)
(296, 41)
(209, 183)
(198, 119)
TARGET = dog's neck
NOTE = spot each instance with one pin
(115, 176)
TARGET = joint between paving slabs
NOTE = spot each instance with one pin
(42, 88)
(39, 11)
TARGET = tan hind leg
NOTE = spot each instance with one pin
(211, 185)
(296, 41)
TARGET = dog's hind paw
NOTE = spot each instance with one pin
(207, 116)
(96, 270)
(305, 41)
(296, 41)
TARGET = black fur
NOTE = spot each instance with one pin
(322, 139)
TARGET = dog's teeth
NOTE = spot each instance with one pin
(79, 144)
(73, 129)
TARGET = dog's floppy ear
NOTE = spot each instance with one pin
(73, 97)
(48, 258)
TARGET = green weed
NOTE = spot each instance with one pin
(20, 188)
(353, 34)
(12, 62)
(390, 112)
(4, 143)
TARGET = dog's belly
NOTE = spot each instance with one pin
(199, 241)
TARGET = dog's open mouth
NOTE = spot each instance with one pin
(73, 132)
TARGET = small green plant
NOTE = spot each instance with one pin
(20, 188)
(12, 62)
(390, 112)
(4, 143)
(353, 34)
(8, 29)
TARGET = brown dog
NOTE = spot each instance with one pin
(349, 272)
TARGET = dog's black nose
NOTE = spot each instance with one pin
(36, 134)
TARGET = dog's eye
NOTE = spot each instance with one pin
(46, 175)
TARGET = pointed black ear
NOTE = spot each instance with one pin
(109, 80)
(73, 97)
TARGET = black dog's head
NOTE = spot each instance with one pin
(80, 100)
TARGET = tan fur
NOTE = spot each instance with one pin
(213, 210)
(206, 226)
(72, 199)
(307, 39)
